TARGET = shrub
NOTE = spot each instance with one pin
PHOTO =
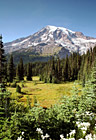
(22, 84)
(18, 89)
(13, 85)
(35, 101)
(2, 87)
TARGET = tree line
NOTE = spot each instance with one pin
(54, 71)
(74, 67)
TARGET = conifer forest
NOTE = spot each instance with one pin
(73, 117)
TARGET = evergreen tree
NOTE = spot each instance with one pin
(29, 72)
(94, 53)
(66, 69)
(18, 72)
(53, 64)
(5, 72)
(65, 72)
(10, 70)
(89, 92)
(21, 69)
(93, 82)
(4, 106)
(59, 70)
(81, 76)
(2, 60)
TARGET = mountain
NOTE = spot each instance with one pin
(49, 41)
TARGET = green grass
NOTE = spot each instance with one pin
(47, 94)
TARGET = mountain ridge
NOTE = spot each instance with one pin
(52, 40)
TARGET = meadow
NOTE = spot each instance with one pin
(46, 94)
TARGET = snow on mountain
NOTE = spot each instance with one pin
(52, 39)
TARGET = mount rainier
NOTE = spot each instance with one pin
(51, 40)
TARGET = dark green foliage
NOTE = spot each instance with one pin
(56, 70)
(29, 72)
(14, 84)
(92, 86)
(28, 102)
(4, 107)
(59, 70)
(28, 57)
(2, 60)
(66, 69)
(22, 84)
(73, 67)
(37, 67)
(87, 61)
(20, 70)
(5, 73)
(18, 89)
(35, 101)
(10, 69)
(83, 82)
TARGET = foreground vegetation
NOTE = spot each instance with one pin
(71, 118)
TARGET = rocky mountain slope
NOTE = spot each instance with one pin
(51, 40)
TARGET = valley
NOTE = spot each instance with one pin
(46, 94)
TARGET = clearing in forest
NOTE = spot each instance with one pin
(46, 94)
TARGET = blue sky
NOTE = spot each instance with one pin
(20, 18)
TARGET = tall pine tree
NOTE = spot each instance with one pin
(29, 72)
(21, 69)
(2, 60)
(18, 72)
(10, 69)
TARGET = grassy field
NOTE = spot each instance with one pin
(47, 94)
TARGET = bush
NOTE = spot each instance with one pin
(22, 84)
(18, 89)
(17, 80)
(13, 85)
(2, 87)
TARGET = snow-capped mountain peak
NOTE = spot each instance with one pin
(52, 39)
(54, 28)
